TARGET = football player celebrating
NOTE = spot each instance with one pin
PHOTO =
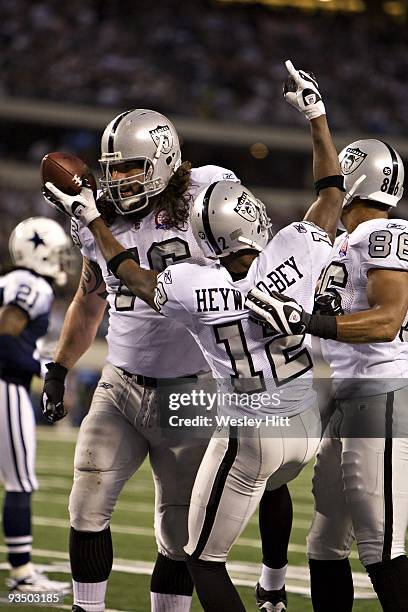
(232, 228)
(147, 194)
(360, 483)
(39, 249)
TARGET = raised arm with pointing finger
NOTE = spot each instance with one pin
(231, 226)
(302, 92)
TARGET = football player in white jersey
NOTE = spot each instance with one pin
(231, 227)
(39, 249)
(361, 474)
(147, 194)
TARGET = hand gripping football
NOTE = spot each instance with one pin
(67, 172)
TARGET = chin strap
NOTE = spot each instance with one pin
(350, 194)
(250, 243)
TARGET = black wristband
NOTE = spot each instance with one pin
(336, 180)
(56, 371)
(323, 326)
(114, 263)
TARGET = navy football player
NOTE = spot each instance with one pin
(39, 249)
(360, 481)
(232, 228)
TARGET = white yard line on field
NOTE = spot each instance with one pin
(140, 507)
(62, 500)
(67, 469)
(45, 521)
(243, 574)
(57, 433)
(64, 482)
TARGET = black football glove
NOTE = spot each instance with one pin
(328, 304)
(52, 398)
(278, 312)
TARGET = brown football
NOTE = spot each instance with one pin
(67, 172)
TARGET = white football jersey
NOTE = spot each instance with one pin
(34, 295)
(139, 339)
(244, 357)
(27, 290)
(378, 243)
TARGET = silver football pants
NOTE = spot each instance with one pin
(116, 436)
(360, 484)
(233, 475)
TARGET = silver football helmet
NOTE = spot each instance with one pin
(40, 244)
(372, 170)
(226, 217)
(138, 135)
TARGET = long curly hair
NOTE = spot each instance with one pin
(107, 209)
(173, 203)
(171, 206)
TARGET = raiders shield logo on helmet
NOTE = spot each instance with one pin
(246, 208)
(162, 132)
(351, 160)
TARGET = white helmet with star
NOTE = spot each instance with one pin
(40, 244)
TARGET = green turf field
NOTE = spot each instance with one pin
(134, 545)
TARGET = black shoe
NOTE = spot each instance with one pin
(76, 608)
(271, 601)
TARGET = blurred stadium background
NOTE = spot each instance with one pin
(215, 67)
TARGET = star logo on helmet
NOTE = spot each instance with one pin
(36, 240)
(162, 134)
(246, 208)
(351, 160)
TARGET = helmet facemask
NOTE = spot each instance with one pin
(114, 188)
(148, 140)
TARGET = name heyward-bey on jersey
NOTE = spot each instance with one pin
(374, 176)
(360, 479)
(150, 193)
(231, 224)
(210, 303)
(207, 300)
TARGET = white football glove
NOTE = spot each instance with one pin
(279, 313)
(45, 349)
(302, 91)
(81, 206)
